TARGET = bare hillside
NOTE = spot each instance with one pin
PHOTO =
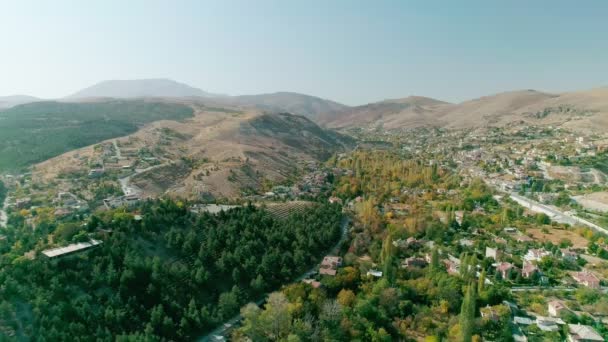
(585, 111)
(497, 109)
(311, 107)
(219, 152)
(413, 111)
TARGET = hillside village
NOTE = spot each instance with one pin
(301, 171)
(516, 212)
(529, 235)
(510, 220)
(537, 257)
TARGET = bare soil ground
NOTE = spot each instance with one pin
(556, 235)
(594, 201)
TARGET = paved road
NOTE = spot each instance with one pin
(554, 213)
(541, 288)
(550, 288)
(219, 332)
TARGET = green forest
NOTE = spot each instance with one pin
(171, 276)
(38, 131)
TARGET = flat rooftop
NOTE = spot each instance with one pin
(75, 247)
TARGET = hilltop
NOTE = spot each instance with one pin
(139, 88)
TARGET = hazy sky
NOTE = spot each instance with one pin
(350, 51)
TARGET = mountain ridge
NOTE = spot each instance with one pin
(309, 106)
(579, 110)
(585, 110)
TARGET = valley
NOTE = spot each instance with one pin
(303, 171)
(400, 219)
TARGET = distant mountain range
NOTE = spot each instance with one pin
(245, 139)
(583, 110)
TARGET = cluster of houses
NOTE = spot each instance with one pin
(553, 323)
(66, 203)
(522, 321)
(115, 158)
(315, 182)
(533, 257)
(121, 201)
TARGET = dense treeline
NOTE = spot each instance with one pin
(38, 131)
(169, 276)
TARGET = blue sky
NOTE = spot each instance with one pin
(349, 51)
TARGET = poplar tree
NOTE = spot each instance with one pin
(434, 260)
(467, 314)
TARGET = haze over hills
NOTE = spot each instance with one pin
(581, 110)
(310, 106)
(15, 100)
(139, 88)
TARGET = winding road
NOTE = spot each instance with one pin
(218, 334)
